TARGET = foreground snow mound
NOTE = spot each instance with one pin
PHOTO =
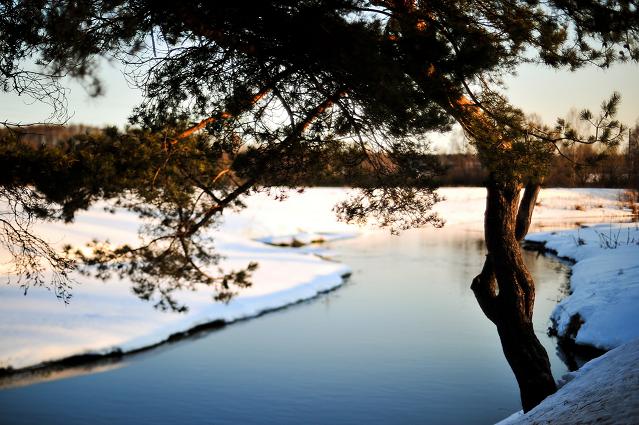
(602, 309)
(604, 391)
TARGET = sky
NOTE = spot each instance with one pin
(540, 90)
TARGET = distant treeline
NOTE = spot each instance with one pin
(580, 165)
(50, 135)
(583, 166)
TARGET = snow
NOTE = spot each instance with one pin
(105, 316)
(312, 210)
(604, 296)
(555, 207)
(604, 391)
(305, 238)
(604, 283)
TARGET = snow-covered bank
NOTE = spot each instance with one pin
(604, 391)
(104, 316)
(601, 309)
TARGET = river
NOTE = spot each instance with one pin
(403, 341)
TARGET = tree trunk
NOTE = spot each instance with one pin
(505, 289)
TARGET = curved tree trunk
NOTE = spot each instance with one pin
(505, 289)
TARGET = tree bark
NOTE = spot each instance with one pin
(505, 289)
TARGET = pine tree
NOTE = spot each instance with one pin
(275, 82)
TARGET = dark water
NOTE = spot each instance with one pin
(403, 342)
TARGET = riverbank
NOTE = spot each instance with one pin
(600, 311)
(105, 319)
(604, 391)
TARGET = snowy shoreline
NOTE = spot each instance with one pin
(216, 318)
(93, 360)
(600, 311)
(604, 390)
(107, 318)
(604, 284)
(104, 319)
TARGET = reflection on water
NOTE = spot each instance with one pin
(404, 341)
(63, 372)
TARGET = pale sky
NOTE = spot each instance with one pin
(546, 92)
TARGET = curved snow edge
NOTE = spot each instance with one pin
(600, 310)
(257, 306)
